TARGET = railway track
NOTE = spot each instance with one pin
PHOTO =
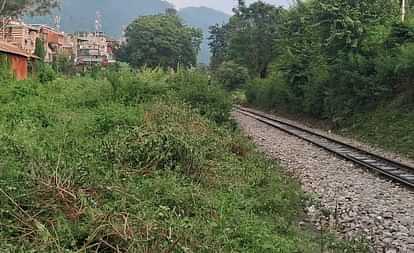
(397, 171)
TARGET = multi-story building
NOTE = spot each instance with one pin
(83, 48)
(112, 46)
(92, 48)
(19, 34)
(70, 46)
(24, 36)
(53, 41)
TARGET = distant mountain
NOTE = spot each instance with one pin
(80, 15)
(226, 5)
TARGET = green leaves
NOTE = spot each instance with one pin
(248, 39)
(232, 75)
(17, 8)
(161, 41)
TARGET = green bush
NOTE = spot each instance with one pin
(352, 87)
(133, 87)
(194, 88)
(5, 72)
(162, 150)
(268, 93)
(395, 69)
(64, 65)
(231, 75)
(45, 72)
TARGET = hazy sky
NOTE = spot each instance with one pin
(223, 5)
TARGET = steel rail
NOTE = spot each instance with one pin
(397, 171)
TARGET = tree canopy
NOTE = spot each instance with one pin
(329, 58)
(161, 40)
(248, 39)
(17, 8)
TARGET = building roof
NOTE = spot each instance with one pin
(12, 49)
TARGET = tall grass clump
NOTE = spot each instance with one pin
(137, 162)
(210, 100)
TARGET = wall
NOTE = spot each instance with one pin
(19, 65)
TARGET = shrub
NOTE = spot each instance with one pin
(133, 87)
(231, 75)
(352, 86)
(64, 64)
(210, 100)
(395, 69)
(5, 72)
(162, 150)
(268, 93)
(45, 72)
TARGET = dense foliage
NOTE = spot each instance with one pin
(327, 58)
(161, 41)
(248, 38)
(126, 163)
(17, 8)
(231, 75)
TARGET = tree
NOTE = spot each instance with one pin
(232, 75)
(217, 45)
(40, 50)
(17, 8)
(346, 25)
(161, 40)
(249, 37)
(171, 12)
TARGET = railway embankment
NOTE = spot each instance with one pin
(348, 199)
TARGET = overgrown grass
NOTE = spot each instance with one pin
(138, 163)
(387, 127)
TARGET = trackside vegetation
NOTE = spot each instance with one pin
(139, 161)
(348, 62)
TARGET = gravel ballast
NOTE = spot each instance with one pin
(352, 201)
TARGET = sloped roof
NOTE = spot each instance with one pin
(12, 49)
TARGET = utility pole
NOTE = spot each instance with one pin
(98, 22)
(3, 28)
(57, 20)
(2, 8)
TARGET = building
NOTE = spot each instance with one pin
(82, 48)
(19, 34)
(53, 41)
(112, 46)
(70, 46)
(24, 36)
(17, 58)
(94, 48)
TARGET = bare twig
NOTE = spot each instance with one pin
(169, 250)
(14, 202)
(109, 245)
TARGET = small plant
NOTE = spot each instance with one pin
(5, 70)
